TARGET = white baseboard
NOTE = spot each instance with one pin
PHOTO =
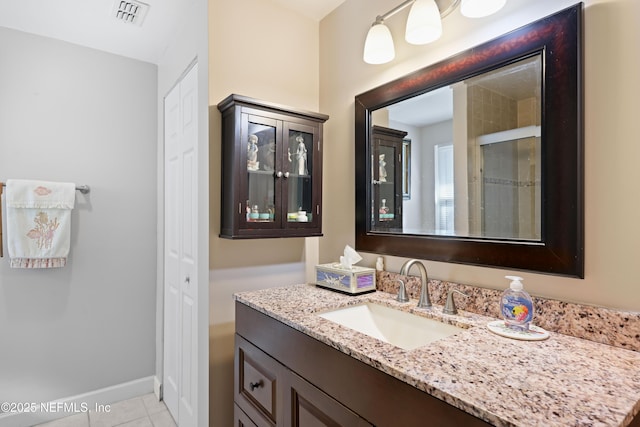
(157, 387)
(79, 403)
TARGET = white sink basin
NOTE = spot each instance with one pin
(402, 329)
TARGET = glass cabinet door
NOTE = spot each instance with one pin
(261, 171)
(386, 185)
(386, 172)
(300, 160)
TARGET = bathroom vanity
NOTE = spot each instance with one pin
(305, 382)
(294, 368)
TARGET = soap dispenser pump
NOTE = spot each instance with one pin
(516, 305)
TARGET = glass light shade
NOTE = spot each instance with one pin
(480, 8)
(378, 47)
(424, 24)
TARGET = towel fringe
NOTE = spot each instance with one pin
(45, 205)
(38, 262)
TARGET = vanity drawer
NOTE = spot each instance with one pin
(240, 418)
(257, 378)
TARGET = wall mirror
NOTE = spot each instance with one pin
(495, 170)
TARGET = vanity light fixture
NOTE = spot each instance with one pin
(424, 24)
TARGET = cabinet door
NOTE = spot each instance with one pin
(387, 179)
(240, 419)
(257, 384)
(260, 143)
(302, 176)
(308, 406)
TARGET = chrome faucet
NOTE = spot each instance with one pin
(402, 292)
(450, 305)
(425, 301)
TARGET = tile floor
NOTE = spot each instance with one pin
(142, 411)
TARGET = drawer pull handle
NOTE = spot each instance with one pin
(253, 386)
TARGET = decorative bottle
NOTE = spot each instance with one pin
(384, 209)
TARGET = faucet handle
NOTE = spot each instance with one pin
(402, 292)
(450, 305)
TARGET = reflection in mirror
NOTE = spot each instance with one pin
(475, 164)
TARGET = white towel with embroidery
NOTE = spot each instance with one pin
(39, 222)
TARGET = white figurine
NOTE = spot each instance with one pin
(252, 153)
(301, 155)
(382, 170)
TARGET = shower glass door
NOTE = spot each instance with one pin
(511, 189)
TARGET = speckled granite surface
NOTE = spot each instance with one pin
(612, 327)
(561, 381)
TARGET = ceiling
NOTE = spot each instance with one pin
(91, 23)
(315, 9)
(517, 81)
(423, 110)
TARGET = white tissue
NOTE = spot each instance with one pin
(349, 258)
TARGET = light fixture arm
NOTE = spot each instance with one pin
(444, 9)
(398, 8)
(450, 6)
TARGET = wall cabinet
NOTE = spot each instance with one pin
(286, 378)
(271, 170)
(387, 178)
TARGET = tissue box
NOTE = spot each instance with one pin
(354, 281)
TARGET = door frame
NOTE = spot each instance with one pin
(202, 271)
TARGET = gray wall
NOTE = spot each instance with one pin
(69, 113)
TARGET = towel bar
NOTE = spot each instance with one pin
(84, 189)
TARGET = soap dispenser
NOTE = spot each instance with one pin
(516, 305)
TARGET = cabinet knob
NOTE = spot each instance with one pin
(279, 174)
(253, 386)
(286, 175)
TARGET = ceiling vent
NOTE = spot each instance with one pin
(131, 12)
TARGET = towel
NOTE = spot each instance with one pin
(39, 222)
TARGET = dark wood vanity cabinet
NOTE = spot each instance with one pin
(286, 378)
(271, 170)
(266, 393)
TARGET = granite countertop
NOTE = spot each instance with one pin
(561, 381)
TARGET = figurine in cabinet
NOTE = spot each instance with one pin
(252, 153)
(268, 155)
(301, 156)
(382, 169)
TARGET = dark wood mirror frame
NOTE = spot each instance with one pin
(561, 250)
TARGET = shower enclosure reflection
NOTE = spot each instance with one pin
(475, 165)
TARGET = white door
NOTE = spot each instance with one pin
(180, 250)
